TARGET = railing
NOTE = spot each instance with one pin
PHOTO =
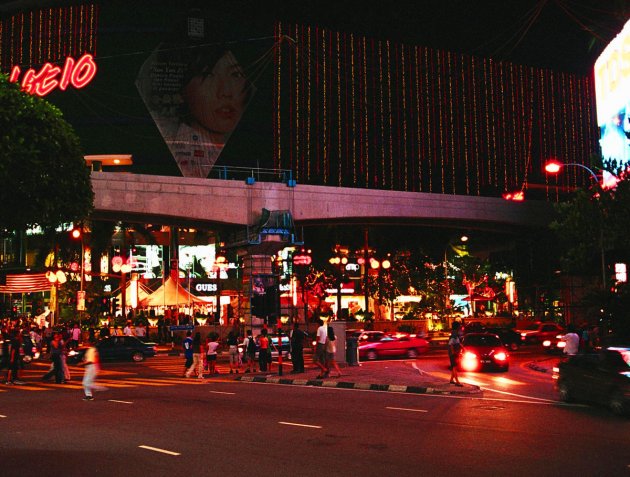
(253, 174)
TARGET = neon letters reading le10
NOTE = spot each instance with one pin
(78, 73)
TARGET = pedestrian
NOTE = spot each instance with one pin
(188, 352)
(249, 350)
(127, 331)
(15, 360)
(76, 336)
(117, 331)
(572, 342)
(263, 350)
(320, 350)
(331, 350)
(454, 348)
(232, 342)
(211, 353)
(91, 365)
(56, 351)
(141, 331)
(297, 348)
(197, 362)
(104, 332)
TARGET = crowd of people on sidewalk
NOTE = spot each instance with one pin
(248, 354)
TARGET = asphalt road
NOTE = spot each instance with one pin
(150, 421)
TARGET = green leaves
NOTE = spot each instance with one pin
(43, 177)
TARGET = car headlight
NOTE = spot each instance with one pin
(546, 343)
(72, 353)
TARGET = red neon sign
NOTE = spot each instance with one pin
(77, 73)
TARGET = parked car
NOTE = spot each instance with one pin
(117, 348)
(483, 350)
(390, 346)
(539, 332)
(274, 347)
(510, 338)
(602, 378)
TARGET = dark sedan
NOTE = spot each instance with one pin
(602, 378)
(483, 350)
(118, 348)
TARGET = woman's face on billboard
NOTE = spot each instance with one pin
(217, 99)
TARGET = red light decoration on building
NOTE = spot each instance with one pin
(352, 111)
(57, 35)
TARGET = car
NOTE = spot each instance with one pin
(286, 347)
(538, 332)
(474, 327)
(117, 348)
(390, 346)
(555, 344)
(481, 351)
(601, 378)
(510, 338)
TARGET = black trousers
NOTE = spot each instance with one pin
(297, 358)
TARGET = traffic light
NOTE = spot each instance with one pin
(105, 304)
(115, 305)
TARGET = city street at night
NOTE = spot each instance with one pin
(152, 421)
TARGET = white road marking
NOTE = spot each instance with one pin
(220, 392)
(406, 409)
(299, 425)
(122, 402)
(2, 415)
(156, 449)
(517, 395)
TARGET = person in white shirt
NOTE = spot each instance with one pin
(76, 336)
(320, 350)
(127, 330)
(572, 342)
(141, 331)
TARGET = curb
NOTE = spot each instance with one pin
(350, 385)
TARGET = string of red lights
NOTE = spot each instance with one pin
(373, 113)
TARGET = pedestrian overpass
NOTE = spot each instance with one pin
(212, 202)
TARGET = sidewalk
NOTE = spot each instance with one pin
(392, 376)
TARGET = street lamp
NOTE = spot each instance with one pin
(553, 167)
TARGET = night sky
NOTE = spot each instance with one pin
(564, 35)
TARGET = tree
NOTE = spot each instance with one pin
(43, 177)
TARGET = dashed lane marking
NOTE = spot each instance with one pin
(2, 416)
(299, 425)
(121, 402)
(157, 449)
(220, 392)
(406, 409)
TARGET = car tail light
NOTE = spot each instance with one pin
(561, 344)
(546, 343)
(500, 356)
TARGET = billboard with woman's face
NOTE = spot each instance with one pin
(612, 88)
(196, 94)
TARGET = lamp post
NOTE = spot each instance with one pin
(339, 264)
(553, 167)
(56, 278)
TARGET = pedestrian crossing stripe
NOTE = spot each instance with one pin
(24, 387)
(56, 386)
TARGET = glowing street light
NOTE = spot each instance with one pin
(553, 167)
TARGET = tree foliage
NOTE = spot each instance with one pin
(43, 177)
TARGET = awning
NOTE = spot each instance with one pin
(26, 283)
